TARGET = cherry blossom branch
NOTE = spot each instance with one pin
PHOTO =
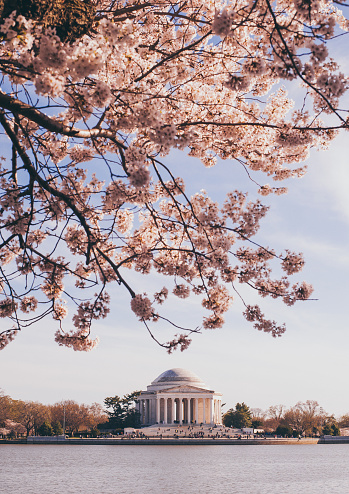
(145, 79)
(117, 272)
(43, 183)
(296, 69)
(180, 340)
(52, 124)
(264, 124)
(173, 55)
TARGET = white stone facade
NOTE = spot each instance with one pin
(179, 397)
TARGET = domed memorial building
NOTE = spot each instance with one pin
(179, 396)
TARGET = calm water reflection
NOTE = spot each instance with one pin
(50, 469)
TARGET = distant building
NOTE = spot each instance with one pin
(178, 396)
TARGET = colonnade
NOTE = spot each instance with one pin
(179, 410)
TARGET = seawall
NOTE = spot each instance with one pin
(181, 441)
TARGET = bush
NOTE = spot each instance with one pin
(284, 431)
(94, 432)
(45, 429)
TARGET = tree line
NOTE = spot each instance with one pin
(305, 418)
(18, 417)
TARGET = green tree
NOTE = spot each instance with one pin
(238, 417)
(57, 428)
(331, 427)
(45, 429)
(335, 430)
(121, 412)
(284, 431)
(94, 432)
(257, 423)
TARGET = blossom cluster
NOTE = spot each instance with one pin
(142, 307)
(76, 340)
(6, 337)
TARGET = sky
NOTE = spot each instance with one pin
(309, 362)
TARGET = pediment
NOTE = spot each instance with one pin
(185, 389)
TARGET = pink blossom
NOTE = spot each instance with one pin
(6, 337)
(28, 304)
(161, 296)
(7, 307)
(78, 341)
(181, 291)
(222, 22)
(141, 306)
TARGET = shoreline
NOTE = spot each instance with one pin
(180, 441)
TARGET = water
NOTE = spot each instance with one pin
(53, 469)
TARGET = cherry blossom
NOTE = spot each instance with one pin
(141, 306)
(88, 192)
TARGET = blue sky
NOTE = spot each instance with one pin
(308, 362)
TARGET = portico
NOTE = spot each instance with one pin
(179, 397)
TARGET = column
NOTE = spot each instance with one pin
(196, 403)
(211, 411)
(189, 411)
(173, 410)
(151, 411)
(157, 410)
(165, 410)
(204, 410)
(180, 415)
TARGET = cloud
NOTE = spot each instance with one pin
(329, 176)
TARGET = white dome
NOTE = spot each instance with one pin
(176, 377)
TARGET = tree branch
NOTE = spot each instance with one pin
(53, 125)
